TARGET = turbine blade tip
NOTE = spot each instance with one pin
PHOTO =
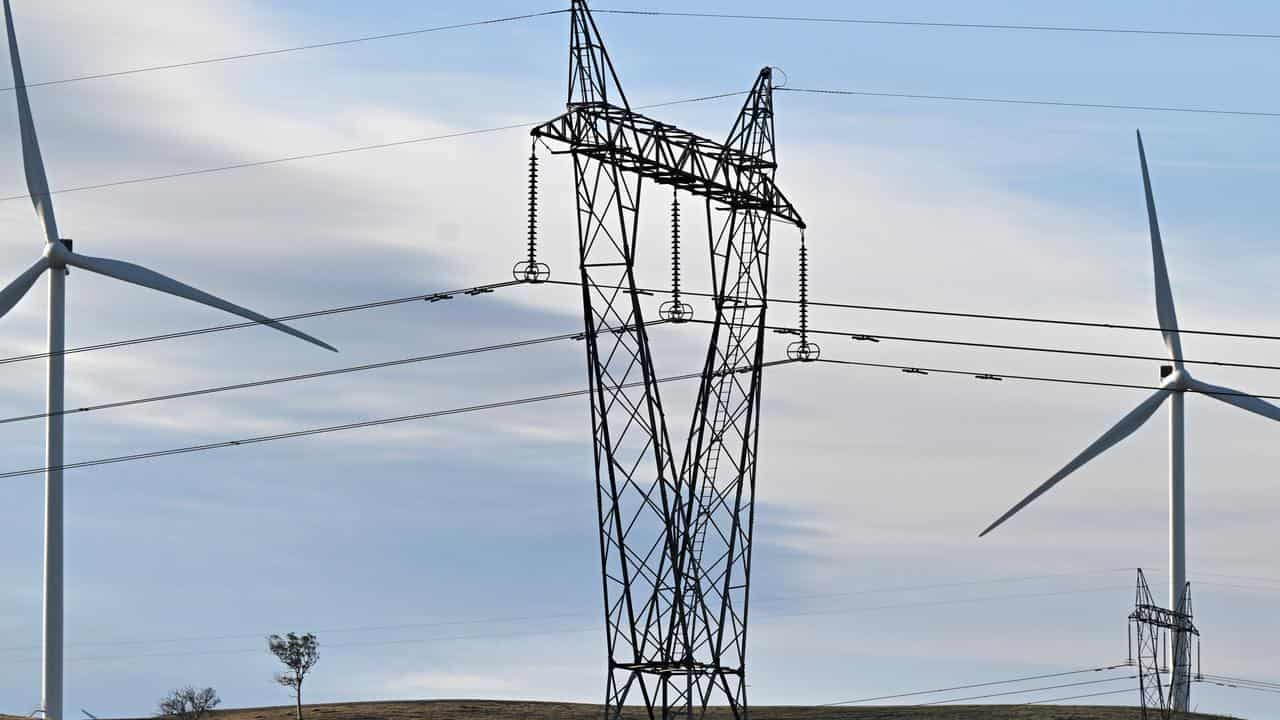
(304, 336)
(311, 339)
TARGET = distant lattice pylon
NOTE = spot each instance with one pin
(1162, 640)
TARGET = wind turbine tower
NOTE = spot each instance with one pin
(1176, 382)
(57, 258)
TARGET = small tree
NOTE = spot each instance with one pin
(299, 653)
(189, 703)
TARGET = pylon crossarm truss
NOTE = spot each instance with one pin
(1164, 618)
(669, 155)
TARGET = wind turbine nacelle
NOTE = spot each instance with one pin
(56, 254)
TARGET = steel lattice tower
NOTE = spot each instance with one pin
(1161, 637)
(675, 539)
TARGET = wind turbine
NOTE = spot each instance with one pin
(1173, 388)
(57, 257)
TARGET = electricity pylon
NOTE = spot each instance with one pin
(1162, 638)
(675, 539)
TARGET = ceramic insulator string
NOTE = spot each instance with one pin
(804, 291)
(675, 248)
(533, 206)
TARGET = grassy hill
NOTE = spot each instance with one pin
(493, 710)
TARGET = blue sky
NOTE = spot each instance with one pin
(457, 557)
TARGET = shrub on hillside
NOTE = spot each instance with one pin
(189, 703)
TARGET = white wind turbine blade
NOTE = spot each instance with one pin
(139, 275)
(1242, 400)
(1123, 429)
(15, 290)
(1164, 293)
(33, 163)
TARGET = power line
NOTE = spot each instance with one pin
(428, 297)
(275, 161)
(500, 346)
(374, 643)
(941, 25)
(1254, 588)
(1026, 101)
(339, 428)
(646, 13)
(548, 339)
(484, 289)
(339, 151)
(1200, 573)
(1031, 690)
(1241, 577)
(1026, 319)
(1219, 583)
(536, 399)
(285, 50)
(974, 686)
(936, 586)
(302, 376)
(766, 600)
(920, 370)
(520, 126)
(366, 367)
(1079, 697)
(1228, 678)
(965, 315)
(339, 630)
(963, 601)
(1240, 687)
(1017, 348)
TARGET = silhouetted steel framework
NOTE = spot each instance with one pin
(1163, 640)
(675, 539)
